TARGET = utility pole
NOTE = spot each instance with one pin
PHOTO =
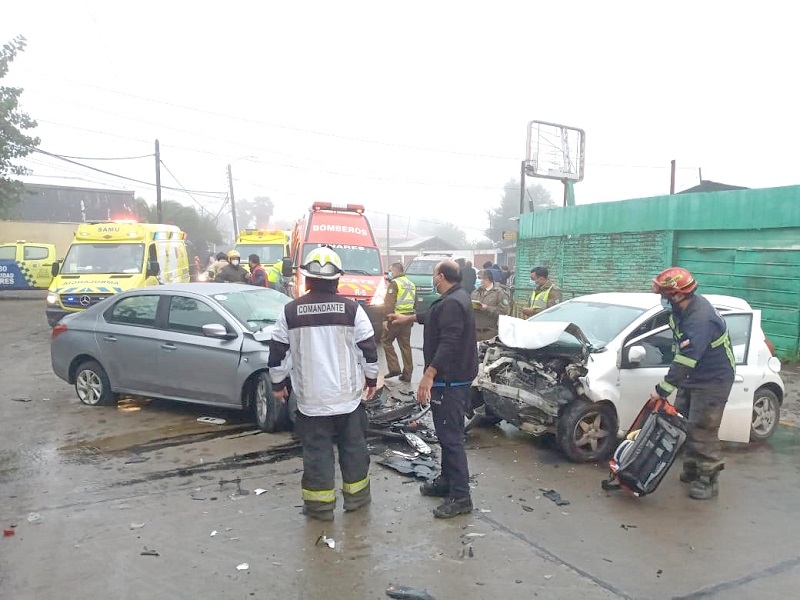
(233, 205)
(159, 209)
(672, 177)
(388, 242)
(522, 189)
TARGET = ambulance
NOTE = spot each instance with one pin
(346, 229)
(26, 265)
(108, 258)
(271, 245)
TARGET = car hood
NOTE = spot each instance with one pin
(534, 335)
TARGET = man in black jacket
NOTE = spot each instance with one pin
(451, 363)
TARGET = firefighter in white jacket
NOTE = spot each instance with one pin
(334, 358)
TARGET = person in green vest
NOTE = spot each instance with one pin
(401, 298)
(545, 293)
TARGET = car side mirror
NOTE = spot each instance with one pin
(56, 267)
(153, 269)
(286, 266)
(636, 354)
(215, 330)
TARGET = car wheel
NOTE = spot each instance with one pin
(766, 414)
(92, 385)
(587, 432)
(269, 411)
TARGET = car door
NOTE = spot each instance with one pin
(37, 263)
(638, 380)
(191, 365)
(738, 415)
(128, 348)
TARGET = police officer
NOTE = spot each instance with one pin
(328, 340)
(489, 302)
(275, 279)
(233, 272)
(545, 293)
(401, 297)
(702, 372)
(450, 350)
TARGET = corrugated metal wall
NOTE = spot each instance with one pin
(761, 266)
(744, 243)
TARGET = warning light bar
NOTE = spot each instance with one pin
(356, 208)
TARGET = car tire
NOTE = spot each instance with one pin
(269, 412)
(587, 432)
(766, 414)
(92, 385)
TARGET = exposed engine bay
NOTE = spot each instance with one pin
(532, 375)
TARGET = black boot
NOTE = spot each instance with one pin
(453, 507)
(705, 487)
(438, 488)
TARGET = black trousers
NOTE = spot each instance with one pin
(448, 405)
(318, 436)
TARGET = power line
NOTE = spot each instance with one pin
(202, 208)
(106, 157)
(123, 177)
(288, 127)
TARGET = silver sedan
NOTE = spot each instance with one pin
(202, 343)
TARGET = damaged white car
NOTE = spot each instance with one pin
(582, 370)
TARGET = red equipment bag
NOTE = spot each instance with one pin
(642, 460)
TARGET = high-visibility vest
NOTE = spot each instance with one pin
(274, 274)
(406, 295)
(539, 301)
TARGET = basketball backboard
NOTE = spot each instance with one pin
(554, 151)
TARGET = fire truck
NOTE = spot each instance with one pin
(346, 229)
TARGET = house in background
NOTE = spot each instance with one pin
(60, 204)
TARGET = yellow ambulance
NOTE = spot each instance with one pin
(26, 265)
(107, 258)
(271, 245)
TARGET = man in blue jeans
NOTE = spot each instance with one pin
(450, 350)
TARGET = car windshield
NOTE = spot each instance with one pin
(356, 260)
(268, 254)
(600, 322)
(253, 308)
(104, 258)
(422, 267)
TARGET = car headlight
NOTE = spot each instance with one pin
(51, 298)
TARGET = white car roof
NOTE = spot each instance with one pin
(646, 301)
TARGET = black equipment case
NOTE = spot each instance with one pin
(642, 460)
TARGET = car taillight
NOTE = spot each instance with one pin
(771, 346)
(58, 330)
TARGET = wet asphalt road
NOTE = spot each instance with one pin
(109, 484)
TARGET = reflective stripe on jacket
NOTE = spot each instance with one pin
(406, 295)
(703, 352)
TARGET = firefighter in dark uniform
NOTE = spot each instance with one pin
(702, 372)
(450, 349)
(328, 340)
(401, 297)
